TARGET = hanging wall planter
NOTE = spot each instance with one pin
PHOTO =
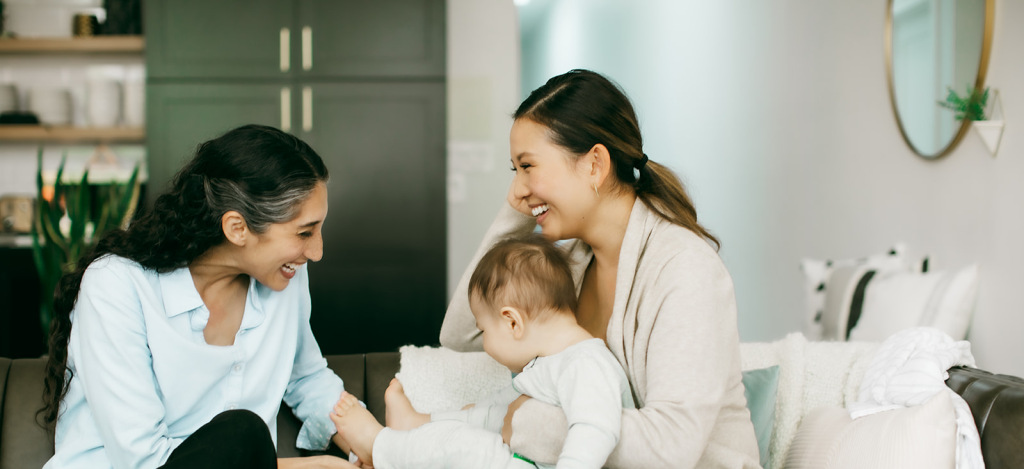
(991, 130)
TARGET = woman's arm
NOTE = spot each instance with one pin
(459, 332)
(686, 352)
(114, 367)
(313, 388)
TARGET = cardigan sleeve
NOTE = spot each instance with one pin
(685, 353)
(458, 331)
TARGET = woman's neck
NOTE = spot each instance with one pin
(608, 228)
(215, 272)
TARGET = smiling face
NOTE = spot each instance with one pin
(550, 184)
(274, 255)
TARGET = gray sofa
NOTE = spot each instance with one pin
(24, 444)
(997, 402)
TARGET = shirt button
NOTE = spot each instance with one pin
(237, 368)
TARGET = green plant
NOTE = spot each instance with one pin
(89, 210)
(971, 106)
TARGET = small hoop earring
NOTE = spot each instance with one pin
(595, 190)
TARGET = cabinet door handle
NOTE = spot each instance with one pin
(286, 41)
(307, 48)
(286, 109)
(307, 109)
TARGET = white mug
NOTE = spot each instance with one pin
(134, 103)
(52, 105)
(103, 102)
(8, 97)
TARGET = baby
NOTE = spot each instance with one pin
(523, 298)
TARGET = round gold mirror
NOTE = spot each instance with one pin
(932, 47)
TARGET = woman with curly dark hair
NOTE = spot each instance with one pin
(175, 340)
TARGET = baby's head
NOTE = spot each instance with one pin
(518, 281)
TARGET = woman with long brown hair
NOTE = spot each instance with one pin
(649, 281)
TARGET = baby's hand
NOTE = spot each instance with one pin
(468, 406)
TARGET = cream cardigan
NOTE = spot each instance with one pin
(673, 330)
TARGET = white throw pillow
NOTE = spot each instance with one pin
(894, 301)
(439, 379)
(907, 438)
(817, 279)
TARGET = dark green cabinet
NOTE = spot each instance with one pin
(382, 277)
(364, 84)
(379, 38)
(216, 39)
(181, 115)
(258, 39)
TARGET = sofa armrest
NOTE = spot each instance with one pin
(25, 442)
(997, 402)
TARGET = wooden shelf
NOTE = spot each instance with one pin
(40, 133)
(15, 240)
(75, 45)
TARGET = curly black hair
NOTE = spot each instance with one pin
(258, 171)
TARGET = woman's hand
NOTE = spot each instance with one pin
(506, 430)
(316, 462)
(517, 203)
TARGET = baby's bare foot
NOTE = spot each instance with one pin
(399, 413)
(356, 425)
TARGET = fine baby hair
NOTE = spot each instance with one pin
(528, 273)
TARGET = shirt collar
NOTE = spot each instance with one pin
(253, 317)
(179, 292)
(181, 296)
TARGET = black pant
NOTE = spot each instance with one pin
(233, 439)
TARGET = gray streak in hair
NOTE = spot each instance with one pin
(224, 195)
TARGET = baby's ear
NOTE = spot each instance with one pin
(512, 318)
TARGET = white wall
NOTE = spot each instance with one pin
(483, 91)
(777, 116)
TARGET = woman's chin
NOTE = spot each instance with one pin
(549, 235)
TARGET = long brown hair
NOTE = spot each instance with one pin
(582, 108)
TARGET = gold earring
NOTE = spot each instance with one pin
(595, 190)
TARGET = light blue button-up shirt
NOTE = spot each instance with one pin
(145, 378)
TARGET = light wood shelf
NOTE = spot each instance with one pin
(41, 133)
(76, 45)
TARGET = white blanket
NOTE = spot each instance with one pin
(911, 367)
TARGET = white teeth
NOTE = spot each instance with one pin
(291, 266)
(540, 209)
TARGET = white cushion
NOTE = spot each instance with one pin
(818, 276)
(907, 438)
(894, 301)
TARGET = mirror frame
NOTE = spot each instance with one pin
(979, 83)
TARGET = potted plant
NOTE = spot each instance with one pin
(67, 222)
(972, 107)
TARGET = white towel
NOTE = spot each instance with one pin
(911, 367)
